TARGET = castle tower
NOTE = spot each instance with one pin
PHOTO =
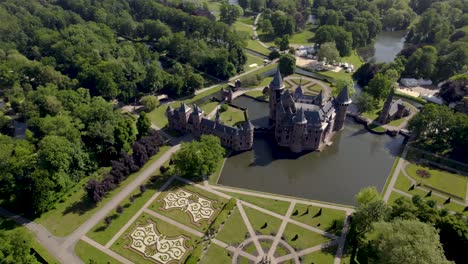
(342, 101)
(196, 116)
(184, 113)
(275, 89)
(386, 108)
(230, 95)
(249, 129)
(298, 131)
(218, 117)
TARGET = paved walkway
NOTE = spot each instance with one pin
(399, 166)
(281, 229)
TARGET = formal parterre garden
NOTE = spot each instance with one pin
(176, 221)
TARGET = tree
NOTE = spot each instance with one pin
(287, 64)
(16, 247)
(365, 102)
(379, 87)
(143, 125)
(283, 42)
(150, 102)
(343, 39)
(267, 27)
(422, 63)
(244, 4)
(329, 52)
(257, 5)
(230, 13)
(406, 241)
(199, 158)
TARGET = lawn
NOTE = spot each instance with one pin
(255, 46)
(324, 221)
(248, 30)
(234, 230)
(442, 180)
(403, 183)
(232, 116)
(305, 238)
(256, 94)
(90, 254)
(167, 230)
(397, 122)
(313, 89)
(209, 107)
(354, 59)
(75, 210)
(213, 179)
(247, 20)
(377, 128)
(393, 197)
(181, 216)
(103, 233)
(324, 256)
(258, 220)
(216, 254)
(280, 207)
(251, 59)
(304, 37)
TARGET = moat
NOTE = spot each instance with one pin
(356, 159)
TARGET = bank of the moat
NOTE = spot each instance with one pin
(356, 159)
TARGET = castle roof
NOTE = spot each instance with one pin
(298, 92)
(319, 98)
(184, 108)
(343, 97)
(394, 107)
(196, 110)
(169, 109)
(277, 82)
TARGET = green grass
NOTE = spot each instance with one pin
(209, 107)
(247, 20)
(216, 254)
(389, 177)
(277, 206)
(303, 37)
(232, 116)
(90, 254)
(102, 233)
(354, 59)
(258, 219)
(251, 59)
(376, 128)
(247, 30)
(305, 239)
(324, 256)
(213, 179)
(164, 228)
(181, 216)
(42, 251)
(403, 183)
(75, 210)
(397, 122)
(313, 89)
(442, 180)
(393, 197)
(255, 46)
(234, 230)
(257, 94)
(324, 221)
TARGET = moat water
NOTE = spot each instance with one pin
(386, 47)
(356, 159)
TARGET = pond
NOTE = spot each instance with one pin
(356, 159)
(386, 47)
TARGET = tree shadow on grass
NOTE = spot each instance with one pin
(80, 207)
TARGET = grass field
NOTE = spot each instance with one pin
(90, 254)
(314, 89)
(304, 37)
(442, 180)
(247, 20)
(305, 238)
(102, 232)
(324, 221)
(324, 256)
(209, 107)
(216, 254)
(75, 211)
(280, 207)
(257, 94)
(234, 230)
(232, 116)
(376, 128)
(397, 122)
(258, 220)
(251, 59)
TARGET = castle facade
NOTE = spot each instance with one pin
(193, 120)
(304, 122)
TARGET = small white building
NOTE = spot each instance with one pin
(409, 82)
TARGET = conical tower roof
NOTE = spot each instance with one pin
(343, 97)
(319, 98)
(300, 116)
(184, 108)
(277, 82)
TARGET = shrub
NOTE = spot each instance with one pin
(150, 102)
(223, 108)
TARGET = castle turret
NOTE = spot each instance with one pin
(319, 99)
(342, 101)
(248, 129)
(230, 95)
(300, 123)
(183, 113)
(195, 119)
(298, 93)
(218, 117)
(276, 87)
(386, 108)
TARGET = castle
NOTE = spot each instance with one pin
(304, 122)
(300, 122)
(193, 120)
